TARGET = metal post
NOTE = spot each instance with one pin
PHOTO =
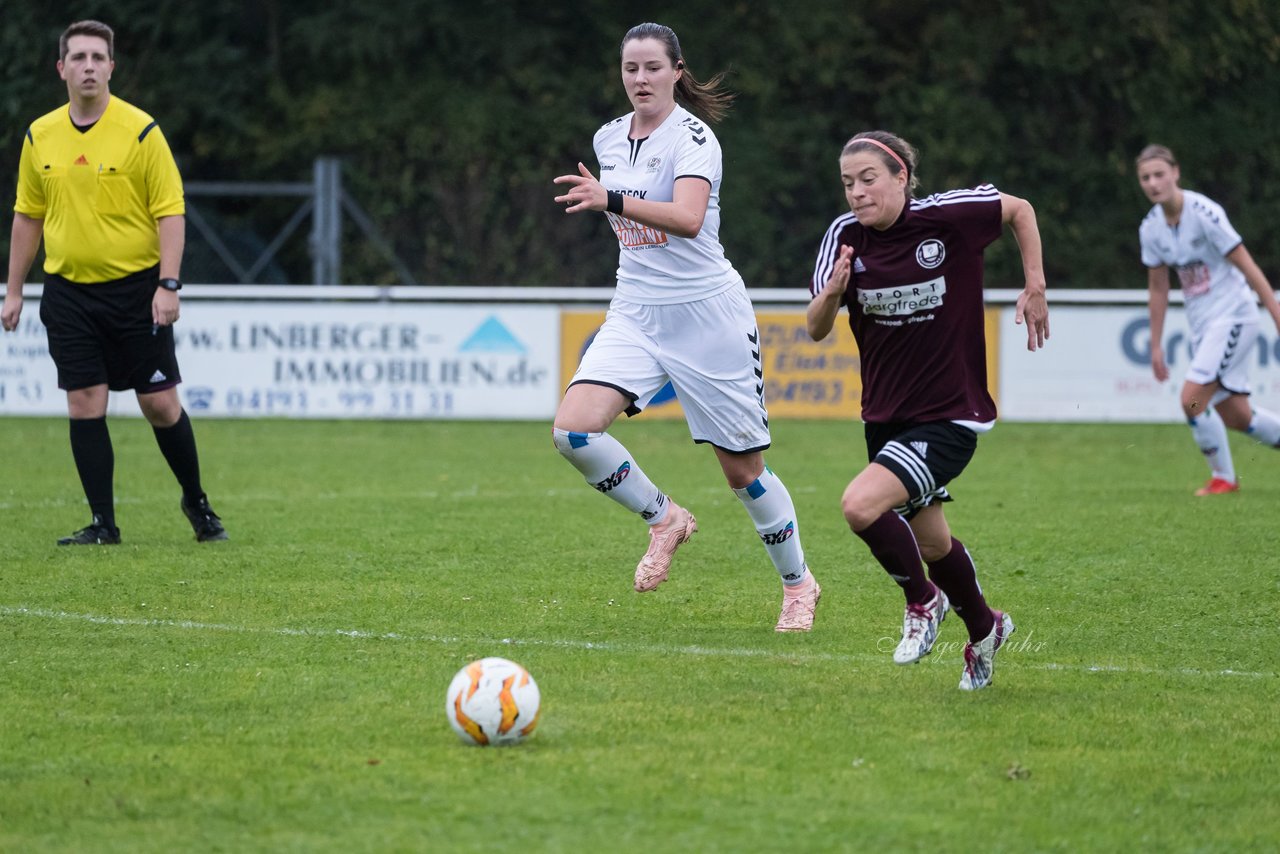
(326, 222)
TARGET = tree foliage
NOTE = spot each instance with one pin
(451, 117)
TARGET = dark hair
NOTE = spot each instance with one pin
(88, 28)
(707, 100)
(1156, 152)
(876, 141)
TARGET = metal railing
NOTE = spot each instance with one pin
(324, 200)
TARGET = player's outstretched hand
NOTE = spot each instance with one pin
(1034, 309)
(1159, 369)
(585, 192)
(839, 278)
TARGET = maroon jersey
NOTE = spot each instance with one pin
(915, 306)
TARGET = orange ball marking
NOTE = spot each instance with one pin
(474, 670)
(507, 700)
(471, 728)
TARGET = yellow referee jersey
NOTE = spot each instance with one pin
(99, 192)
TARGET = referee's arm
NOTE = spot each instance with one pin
(172, 232)
(173, 241)
(24, 241)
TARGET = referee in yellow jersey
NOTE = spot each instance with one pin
(98, 182)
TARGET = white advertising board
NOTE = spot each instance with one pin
(330, 360)
(501, 360)
(28, 380)
(1097, 367)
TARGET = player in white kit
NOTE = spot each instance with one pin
(680, 314)
(1190, 234)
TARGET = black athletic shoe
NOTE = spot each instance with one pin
(203, 520)
(96, 534)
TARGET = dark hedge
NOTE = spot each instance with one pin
(451, 118)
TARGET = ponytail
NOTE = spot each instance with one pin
(707, 100)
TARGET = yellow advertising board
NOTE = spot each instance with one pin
(803, 378)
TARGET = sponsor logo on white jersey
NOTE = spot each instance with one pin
(1195, 278)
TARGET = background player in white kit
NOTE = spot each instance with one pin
(680, 313)
(1191, 234)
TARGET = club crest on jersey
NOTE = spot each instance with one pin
(930, 253)
(653, 165)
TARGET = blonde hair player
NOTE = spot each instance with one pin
(680, 314)
(1190, 234)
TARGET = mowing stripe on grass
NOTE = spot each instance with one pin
(603, 646)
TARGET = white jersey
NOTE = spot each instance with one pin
(656, 268)
(1196, 248)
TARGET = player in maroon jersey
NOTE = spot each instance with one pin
(916, 310)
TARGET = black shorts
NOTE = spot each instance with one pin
(925, 457)
(103, 333)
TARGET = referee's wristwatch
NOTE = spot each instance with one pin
(171, 284)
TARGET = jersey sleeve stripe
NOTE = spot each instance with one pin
(146, 130)
(828, 251)
(981, 193)
(703, 177)
(30, 138)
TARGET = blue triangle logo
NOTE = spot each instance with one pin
(492, 337)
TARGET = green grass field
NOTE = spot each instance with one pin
(284, 691)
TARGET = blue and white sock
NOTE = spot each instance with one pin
(1210, 433)
(609, 468)
(770, 507)
(1265, 427)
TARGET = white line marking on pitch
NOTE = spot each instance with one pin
(603, 646)
(573, 491)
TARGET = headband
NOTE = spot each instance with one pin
(878, 144)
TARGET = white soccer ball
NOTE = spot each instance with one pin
(493, 701)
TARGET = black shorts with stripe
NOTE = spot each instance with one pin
(103, 333)
(925, 457)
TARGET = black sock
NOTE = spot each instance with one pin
(958, 578)
(96, 463)
(178, 444)
(894, 545)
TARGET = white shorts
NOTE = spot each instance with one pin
(710, 352)
(1220, 353)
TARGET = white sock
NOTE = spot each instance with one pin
(1265, 427)
(607, 466)
(769, 505)
(1211, 436)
